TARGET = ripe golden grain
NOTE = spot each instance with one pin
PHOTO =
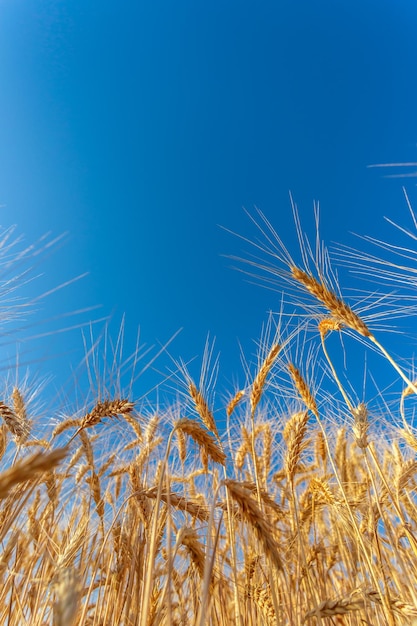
(260, 379)
(295, 431)
(234, 402)
(338, 308)
(106, 408)
(253, 516)
(16, 426)
(202, 437)
(203, 409)
(302, 388)
(329, 608)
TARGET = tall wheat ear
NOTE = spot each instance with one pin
(315, 277)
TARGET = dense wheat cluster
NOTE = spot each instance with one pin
(286, 505)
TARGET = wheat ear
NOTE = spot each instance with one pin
(260, 379)
(202, 437)
(337, 307)
(342, 313)
(254, 516)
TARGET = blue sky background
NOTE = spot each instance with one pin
(142, 128)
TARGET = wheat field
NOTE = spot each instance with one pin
(284, 504)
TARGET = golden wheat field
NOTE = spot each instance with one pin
(301, 510)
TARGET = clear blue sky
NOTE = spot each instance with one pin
(140, 128)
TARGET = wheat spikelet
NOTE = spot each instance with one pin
(189, 538)
(94, 483)
(329, 608)
(262, 597)
(133, 422)
(253, 515)
(19, 408)
(321, 491)
(396, 604)
(265, 497)
(203, 438)
(16, 426)
(361, 425)
(251, 563)
(88, 449)
(234, 402)
(302, 388)
(260, 379)
(106, 408)
(151, 429)
(181, 444)
(339, 309)
(296, 429)
(203, 409)
(40, 443)
(63, 426)
(320, 450)
(409, 438)
(329, 324)
(405, 471)
(179, 502)
(72, 544)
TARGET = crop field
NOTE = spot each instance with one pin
(286, 503)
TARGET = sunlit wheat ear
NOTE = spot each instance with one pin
(263, 598)
(255, 518)
(234, 402)
(321, 491)
(361, 425)
(192, 507)
(329, 324)
(329, 608)
(202, 438)
(320, 447)
(203, 409)
(182, 445)
(260, 379)
(94, 483)
(410, 439)
(342, 313)
(335, 305)
(15, 425)
(404, 609)
(303, 389)
(106, 408)
(188, 537)
(295, 431)
(19, 408)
